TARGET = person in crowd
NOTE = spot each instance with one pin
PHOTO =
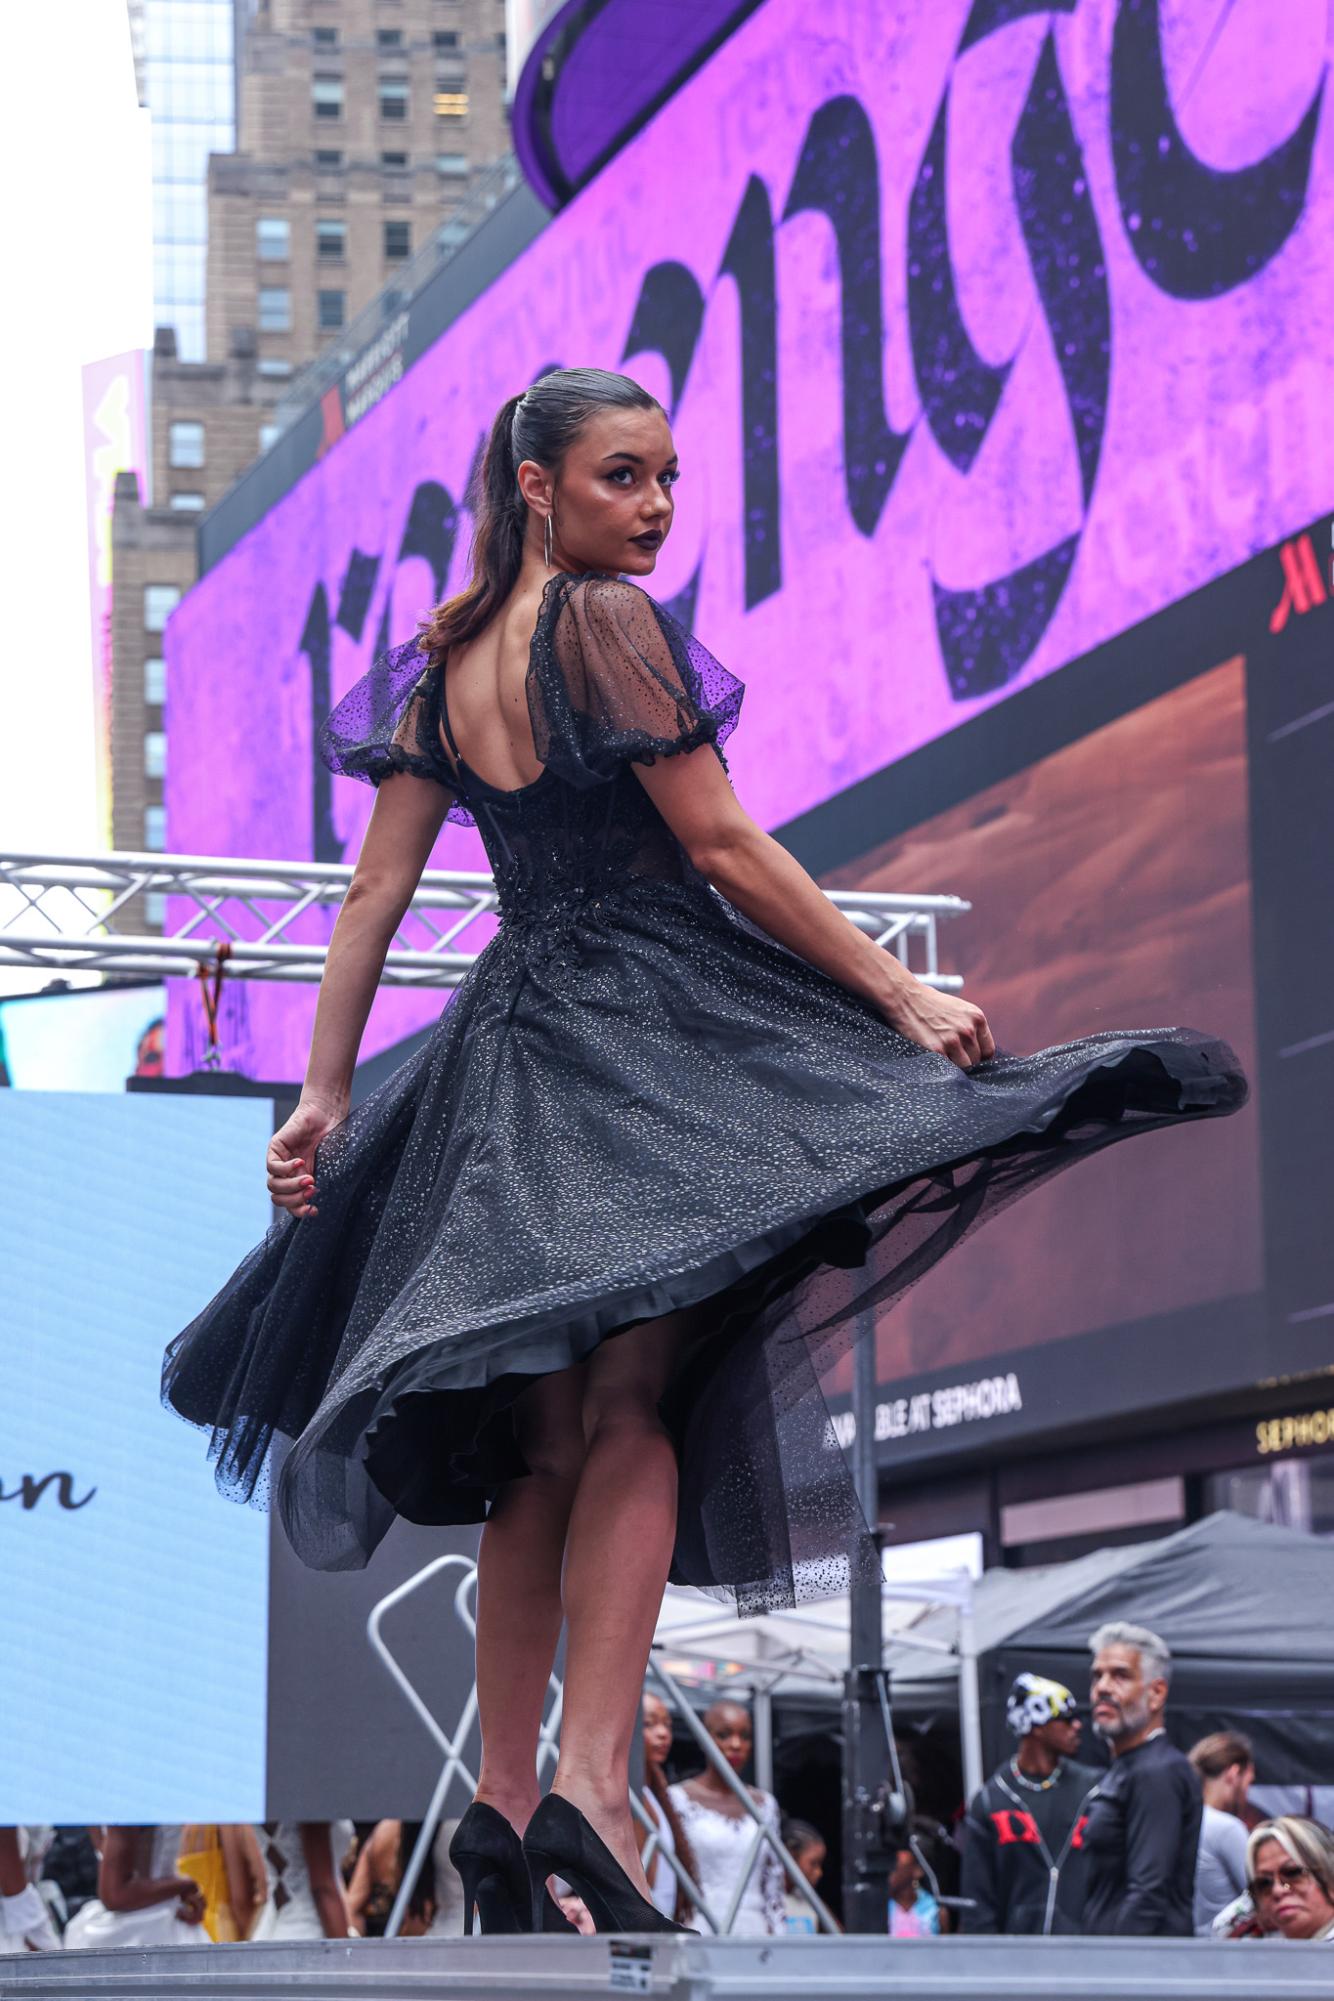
(25, 1922)
(1143, 1830)
(435, 1906)
(669, 1836)
(68, 1870)
(142, 1897)
(1225, 1768)
(1024, 1860)
(808, 1849)
(1290, 1867)
(721, 1833)
(306, 1897)
(914, 1911)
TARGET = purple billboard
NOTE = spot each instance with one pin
(986, 332)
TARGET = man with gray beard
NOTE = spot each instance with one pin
(1144, 1819)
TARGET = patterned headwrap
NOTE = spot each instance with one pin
(1034, 1701)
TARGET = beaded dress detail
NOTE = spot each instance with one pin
(636, 1101)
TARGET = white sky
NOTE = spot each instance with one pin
(76, 254)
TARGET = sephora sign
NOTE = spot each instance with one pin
(986, 331)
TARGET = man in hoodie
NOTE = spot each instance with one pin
(1024, 1864)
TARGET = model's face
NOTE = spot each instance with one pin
(1123, 1702)
(729, 1726)
(1286, 1895)
(612, 493)
(657, 1730)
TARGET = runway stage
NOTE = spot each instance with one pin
(693, 1969)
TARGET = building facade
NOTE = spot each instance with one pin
(304, 150)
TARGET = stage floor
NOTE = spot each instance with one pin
(694, 1969)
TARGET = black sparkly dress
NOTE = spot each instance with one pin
(635, 1101)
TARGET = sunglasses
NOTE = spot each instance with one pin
(1290, 1875)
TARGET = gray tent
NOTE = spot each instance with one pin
(1247, 1609)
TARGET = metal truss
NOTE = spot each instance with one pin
(63, 913)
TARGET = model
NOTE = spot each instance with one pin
(577, 1267)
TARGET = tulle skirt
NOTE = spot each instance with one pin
(649, 1107)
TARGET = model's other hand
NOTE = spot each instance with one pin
(291, 1155)
(942, 1022)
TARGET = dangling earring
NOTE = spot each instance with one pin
(546, 541)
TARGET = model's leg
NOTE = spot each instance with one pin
(13, 1875)
(618, 1552)
(519, 1592)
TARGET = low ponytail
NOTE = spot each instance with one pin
(540, 425)
(500, 516)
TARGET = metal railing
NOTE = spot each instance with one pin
(60, 912)
(456, 1771)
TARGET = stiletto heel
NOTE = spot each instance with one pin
(560, 1842)
(489, 1858)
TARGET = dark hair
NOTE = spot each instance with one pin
(799, 1835)
(540, 425)
(1213, 1756)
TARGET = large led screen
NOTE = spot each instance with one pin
(1146, 845)
(134, 1601)
(986, 330)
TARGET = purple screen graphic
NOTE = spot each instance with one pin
(986, 331)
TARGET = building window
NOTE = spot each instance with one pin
(328, 156)
(274, 365)
(388, 38)
(187, 503)
(330, 240)
(454, 164)
(326, 96)
(451, 97)
(332, 310)
(155, 910)
(275, 309)
(155, 754)
(185, 443)
(324, 38)
(273, 238)
(446, 38)
(397, 240)
(394, 160)
(155, 680)
(394, 98)
(269, 435)
(155, 829)
(160, 601)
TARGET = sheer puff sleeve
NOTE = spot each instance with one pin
(388, 721)
(615, 679)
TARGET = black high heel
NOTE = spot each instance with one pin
(560, 1842)
(489, 1857)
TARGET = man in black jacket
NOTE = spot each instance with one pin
(1144, 1824)
(1023, 1851)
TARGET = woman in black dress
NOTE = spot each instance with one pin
(679, 1101)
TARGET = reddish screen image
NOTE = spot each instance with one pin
(1110, 887)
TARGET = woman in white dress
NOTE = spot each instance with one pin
(722, 1834)
(668, 1835)
(25, 1922)
(142, 1899)
(306, 1894)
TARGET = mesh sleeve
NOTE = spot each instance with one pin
(387, 722)
(617, 680)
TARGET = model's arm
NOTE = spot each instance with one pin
(770, 887)
(405, 820)
(1155, 1806)
(247, 1884)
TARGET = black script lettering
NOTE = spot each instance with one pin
(30, 1491)
(749, 259)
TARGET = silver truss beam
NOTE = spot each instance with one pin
(60, 912)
